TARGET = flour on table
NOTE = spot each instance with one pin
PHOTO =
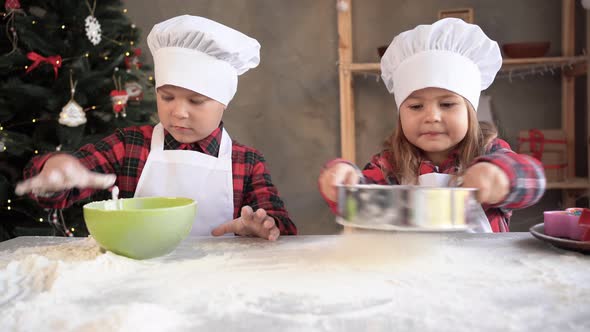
(349, 282)
(86, 249)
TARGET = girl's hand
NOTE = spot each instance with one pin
(492, 183)
(63, 172)
(337, 174)
(250, 223)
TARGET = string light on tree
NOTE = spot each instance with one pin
(27, 132)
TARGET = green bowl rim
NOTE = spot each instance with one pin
(88, 206)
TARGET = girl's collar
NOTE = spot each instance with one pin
(449, 165)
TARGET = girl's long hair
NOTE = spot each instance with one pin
(406, 158)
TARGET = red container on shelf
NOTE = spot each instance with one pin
(526, 50)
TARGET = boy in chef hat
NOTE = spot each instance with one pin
(189, 153)
(436, 73)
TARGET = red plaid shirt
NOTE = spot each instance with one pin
(125, 153)
(527, 178)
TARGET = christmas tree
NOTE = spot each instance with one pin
(70, 73)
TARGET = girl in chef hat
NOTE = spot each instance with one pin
(189, 153)
(436, 73)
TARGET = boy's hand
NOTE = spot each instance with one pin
(337, 174)
(250, 223)
(63, 172)
(492, 183)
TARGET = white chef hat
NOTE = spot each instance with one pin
(449, 54)
(201, 55)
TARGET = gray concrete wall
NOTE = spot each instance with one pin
(288, 107)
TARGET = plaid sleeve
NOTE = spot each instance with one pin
(260, 192)
(374, 171)
(103, 157)
(526, 174)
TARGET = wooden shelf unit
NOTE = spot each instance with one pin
(578, 64)
(573, 66)
(575, 183)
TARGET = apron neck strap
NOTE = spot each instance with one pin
(225, 147)
(158, 138)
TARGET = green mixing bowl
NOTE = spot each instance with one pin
(140, 228)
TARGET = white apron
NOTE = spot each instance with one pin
(204, 178)
(481, 223)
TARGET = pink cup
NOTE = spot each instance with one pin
(561, 224)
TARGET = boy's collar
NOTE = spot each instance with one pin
(208, 145)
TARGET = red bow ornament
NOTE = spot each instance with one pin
(54, 60)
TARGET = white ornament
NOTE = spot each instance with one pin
(93, 31)
(72, 114)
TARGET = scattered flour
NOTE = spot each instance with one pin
(77, 250)
(349, 282)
